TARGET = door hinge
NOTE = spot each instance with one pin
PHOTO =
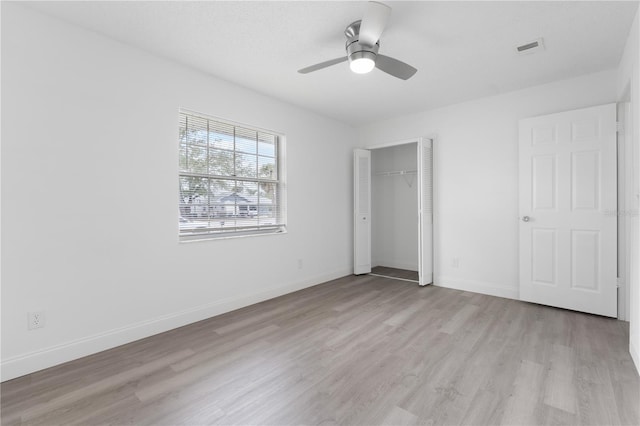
(619, 127)
(619, 283)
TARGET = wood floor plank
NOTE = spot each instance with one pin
(486, 408)
(402, 316)
(459, 319)
(560, 389)
(359, 350)
(103, 385)
(521, 406)
(627, 399)
(399, 417)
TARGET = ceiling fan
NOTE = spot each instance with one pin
(363, 42)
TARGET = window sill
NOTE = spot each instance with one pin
(198, 238)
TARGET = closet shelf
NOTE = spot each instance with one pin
(397, 173)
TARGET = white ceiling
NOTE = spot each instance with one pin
(463, 50)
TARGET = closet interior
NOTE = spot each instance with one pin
(394, 212)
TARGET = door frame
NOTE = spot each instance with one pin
(625, 204)
(435, 236)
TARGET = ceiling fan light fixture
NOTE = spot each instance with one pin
(362, 62)
(362, 65)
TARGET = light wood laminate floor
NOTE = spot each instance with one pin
(358, 350)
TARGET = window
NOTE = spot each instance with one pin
(230, 179)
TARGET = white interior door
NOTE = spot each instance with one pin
(425, 211)
(567, 210)
(362, 211)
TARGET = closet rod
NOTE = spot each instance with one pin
(397, 173)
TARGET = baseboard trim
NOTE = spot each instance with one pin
(634, 356)
(31, 362)
(490, 289)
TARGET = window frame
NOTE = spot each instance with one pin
(213, 233)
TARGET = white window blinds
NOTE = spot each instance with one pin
(230, 179)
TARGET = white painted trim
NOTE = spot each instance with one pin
(481, 287)
(432, 136)
(625, 196)
(635, 355)
(435, 219)
(395, 143)
(48, 357)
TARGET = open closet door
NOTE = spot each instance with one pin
(362, 211)
(425, 208)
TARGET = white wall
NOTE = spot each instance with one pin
(394, 203)
(628, 86)
(89, 187)
(476, 175)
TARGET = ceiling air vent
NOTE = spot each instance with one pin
(530, 47)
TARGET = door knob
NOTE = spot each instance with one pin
(526, 218)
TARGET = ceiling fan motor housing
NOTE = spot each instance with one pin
(354, 49)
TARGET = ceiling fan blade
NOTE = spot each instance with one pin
(395, 67)
(321, 65)
(373, 23)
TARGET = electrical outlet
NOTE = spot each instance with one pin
(455, 262)
(35, 320)
(299, 263)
